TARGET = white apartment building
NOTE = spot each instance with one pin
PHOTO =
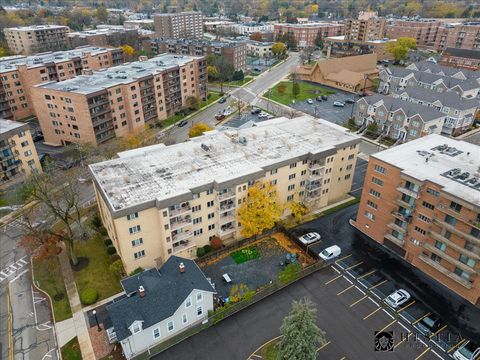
(162, 200)
(259, 49)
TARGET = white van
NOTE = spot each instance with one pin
(468, 351)
(330, 252)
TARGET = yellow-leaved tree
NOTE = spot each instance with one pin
(198, 129)
(261, 211)
(298, 209)
(128, 51)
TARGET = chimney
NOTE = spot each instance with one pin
(181, 267)
(141, 291)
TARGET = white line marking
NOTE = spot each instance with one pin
(436, 353)
(386, 312)
(22, 261)
(423, 342)
(437, 345)
(48, 354)
(373, 301)
(340, 266)
(16, 277)
(404, 318)
(13, 266)
(378, 297)
(348, 279)
(359, 289)
(349, 273)
(365, 286)
(334, 268)
(404, 327)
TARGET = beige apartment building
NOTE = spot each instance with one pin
(424, 31)
(18, 74)
(184, 25)
(33, 39)
(162, 200)
(18, 156)
(305, 34)
(365, 28)
(421, 200)
(118, 101)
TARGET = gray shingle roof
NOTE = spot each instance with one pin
(410, 109)
(450, 99)
(466, 53)
(165, 290)
(448, 71)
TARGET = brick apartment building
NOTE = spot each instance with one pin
(184, 25)
(424, 31)
(108, 36)
(161, 200)
(19, 73)
(461, 58)
(421, 200)
(18, 156)
(235, 52)
(305, 34)
(459, 35)
(33, 39)
(366, 28)
(120, 100)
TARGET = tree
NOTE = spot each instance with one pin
(102, 14)
(372, 128)
(216, 243)
(129, 51)
(239, 104)
(298, 209)
(238, 75)
(306, 54)
(212, 73)
(301, 336)
(117, 268)
(193, 102)
(281, 88)
(295, 89)
(198, 129)
(256, 36)
(279, 48)
(239, 292)
(400, 48)
(261, 211)
(319, 41)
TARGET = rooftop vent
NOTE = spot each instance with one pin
(205, 147)
(141, 291)
(181, 267)
(242, 140)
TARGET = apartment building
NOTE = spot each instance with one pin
(431, 76)
(339, 46)
(18, 74)
(118, 101)
(248, 29)
(184, 25)
(259, 49)
(18, 156)
(305, 34)
(213, 26)
(460, 112)
(235, 52)
(365, 28)
(162, 200)
(398, 119)
(33, 39)
(461, 58)
(107, 36)
(459, 35)
(421, 200)
(424, 31)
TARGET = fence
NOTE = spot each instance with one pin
(227, 311)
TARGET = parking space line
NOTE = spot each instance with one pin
(405, 319)
(405, 339)
(455, 346)
(424, 316)
(357, 264)
(393, 322)
(437, 332)
(406, 306)
(365, 275)
(321, 347)
(334, 268)
(433, 351)
(373, 301)
(376, 285)
(257, 356)
(344, 290)
(348, 279)
(373, 312)
(386, 312)
(332, 280)
(342, 358)
(356, 287)
(356, 302)
(343, 258)
(423, 353)
(406, 329)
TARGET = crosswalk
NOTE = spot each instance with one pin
(12, 269)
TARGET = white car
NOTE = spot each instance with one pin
(468, 351)
(338, 104)
(263, 115)
(397, 298)
(330, 253)
(309, 238)
(310, 101)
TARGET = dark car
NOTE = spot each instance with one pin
(182, 123)
(430, 324)
(38, 136)
(219, 117)
(222, 100)
(349, 101)
(324, 97)
(319, 98)
(255, 111)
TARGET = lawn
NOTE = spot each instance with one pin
(48, 277)
(245, 254)
(240, 82)
(307, 90)
(96, 274)
(214, 96)
(270, 351)
(71, 350)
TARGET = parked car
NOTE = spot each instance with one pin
(219, 116)
(38, 136)
(397, 298)
(182, 123)
(338, 104)
(319, 98)
(429, 324)
(309, 238)
(324, 97)
(330, 253)
(255, 111)
(222, 100)
(310, 101)
(263, 115)
(350, 101)
(468, 351)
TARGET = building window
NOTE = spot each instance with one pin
(432, 192)
(450, 220)
(273, 182)
(209, 191)
(291, 176)
(455, 207)
(374, 193)
(136, 327)
(156, 333)
(291, 187)
(199, 297)
(198, 232)
(132, 216)
(380, 169)
(210, 203)
(369, 215)
(377, 181)
(170, 326)
(372, 204)
(211, 215)
(196, 208)
(467, 261)
(436, 258)
(28, 153)
(294, 165)
(137, 242)
(197, 220)
(199, 311)
(134, 229)
(188, 302)
(420, 230)
(139, 254)
(289, 197)
(461, 273)
(428, 205)
(424, 218)
(184, 318)
(440, 245)
(273, 172)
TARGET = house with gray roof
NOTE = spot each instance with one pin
(159, 304)
(397, 119)
(460, 112)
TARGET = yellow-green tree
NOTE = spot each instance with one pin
(128, 50)
(198, 129)
(400, 48)
(297, 209)
(261, 211)
(212, 72)
(279, 48)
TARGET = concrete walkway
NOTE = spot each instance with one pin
(79, 322)
(65, 331)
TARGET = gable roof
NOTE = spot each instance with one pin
(356, 64)
(165, 290)
(450, 98)
(427, 66)
(464, 53)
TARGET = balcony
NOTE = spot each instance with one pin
(405, 204)
(226, 194)
(227, 217)
(97, 103)
(317, 175)
(407, 191)
(182, 209)
(395, 240)
(315, 166)
(182, 245)
(464, 282)
(180, 222)
(227, 230)
(456, 247)
(450, 259)
(181, 235)
(401, 215)
(227, 206)
(397, 227)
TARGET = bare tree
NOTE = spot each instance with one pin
(307, 53)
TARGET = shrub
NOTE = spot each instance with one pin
(88, 296)
(117, 268)
(108, 242)
(111, 250)
(207, 248)
(102, 231)
(200, 252)
(238, 75)
(216, 243)
(137, 271)
(290, 273)
(114, 257)
(96, 222)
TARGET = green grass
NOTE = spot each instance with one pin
(270, 351)
(71, 350)
(245, 254)
(97, 274)
(240, 82)
(307, 90)
(214, 95)
(48, 276)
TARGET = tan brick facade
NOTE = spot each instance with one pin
(38, 38)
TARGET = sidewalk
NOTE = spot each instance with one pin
(80, 327)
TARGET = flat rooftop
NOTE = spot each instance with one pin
(122, 74)
(107, 30)
(197, 42)
(11, 63)
(161, 172)
(311, 25)
(8, 128)
(37, 27)
(433, 157)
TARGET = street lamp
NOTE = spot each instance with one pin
(94, 312)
